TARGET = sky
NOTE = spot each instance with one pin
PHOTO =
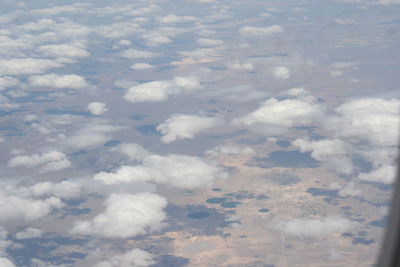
(197, 132)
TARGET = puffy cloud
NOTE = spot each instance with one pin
(75, 50)
(49, 161)
(247, 66)
(316, 227)
(132, 150)
(64, 189)
(335, 153)
(134, 258)
(137, 54)
(90, 135)
(182, 126)
(229, 150)
(177, 170)
(6, 82)
(374, 120)
(4, 262)
(199, 56)
(282, 73)
(209, 42)
(176, 19)
(21, 66)
(97, 108)
(142, 66)
(161, 90)
(257, 31)
(126, 215)
(21, 208)
(385, 174)
(155, 38)
(282, 113)
(58, 81)
(29, 233)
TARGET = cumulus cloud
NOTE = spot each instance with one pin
(58, 81)
(4, 262)
(238, 94)
(385, 174)
(282, 72)
(209, 42)
(90, 135)
(374, 120)
(48, 161)
(246, 66)
(142, 66)
(74, 50)
(6, 82)
(29, 232)
(260, 31)
(171, 18)
(335, 153)
(183, 126)
(134, 258)
(229, 150)
(282, 114)
(316, 227)
(177, 170)
(161, 90)
(97, 108)
(23, 66)
(126, 215)
(137, 54)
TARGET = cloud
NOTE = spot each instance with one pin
(23, 66)
(374, 120)
(133, 258)
(315, 227)
(229, 150)
(238, 94)
(171, 18)
(6, 82)
(209, 42)
(4, 262)
(177, 170)
(385, 174)
(334, 153)
(97, 108)
(260, 31)
(58, 81)
(282, 114)
(49, 161)
(126, 215)
(157, 91)
(90, 135)
(182, 126)
(74, 50)
(137, 54)
(142, 66)
(247, 66)
(281, 73)
(29, 232)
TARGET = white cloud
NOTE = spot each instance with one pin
(182, 126)
(155, 38)
(283, 113)
(21, 66)
(209, 42)
(371, 119)
(29, 233)
(259, 31)
(97, 108)
(282, 72)
(58, 81)
(177, 170)
(126, 215)
(385, 174)
(246, 66)
(137, 54)
(49, 161)
(6, 82)
(238, 94)
(229, 150)
(315, 227)
(4, 262)
(64, 189)
(161, 90)
(176, 19)
(335, 153)
(142, 66)
(74, 50)
(134, 258)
